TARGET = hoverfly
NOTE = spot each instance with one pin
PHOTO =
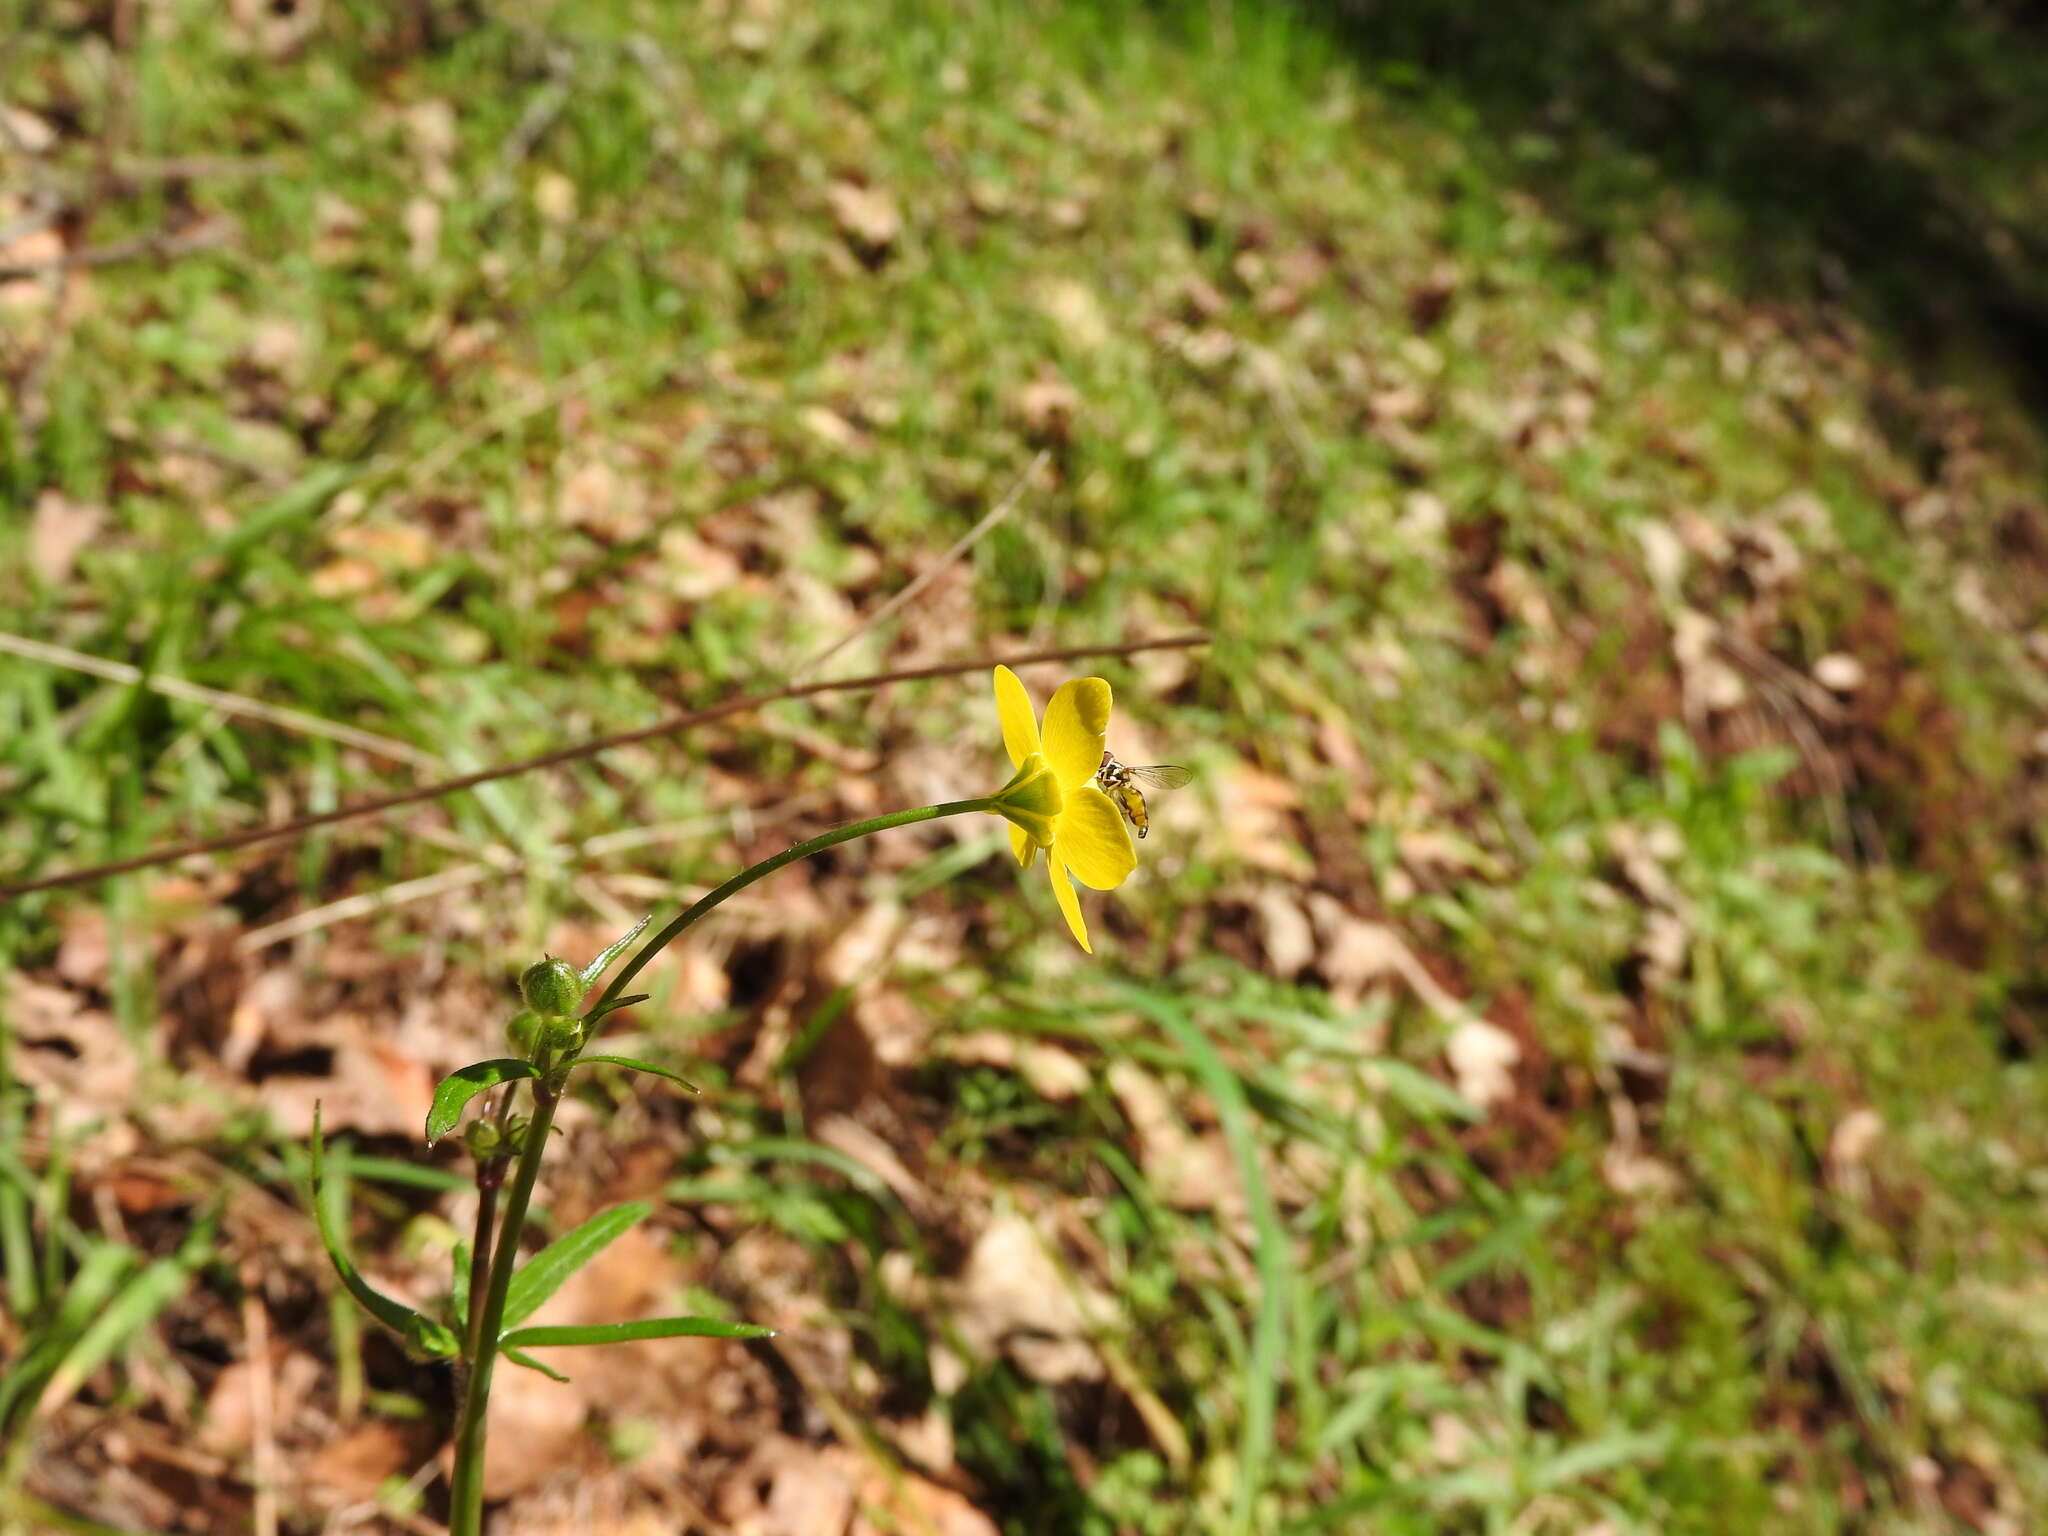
(1120, 782)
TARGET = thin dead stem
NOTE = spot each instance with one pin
(686, 720)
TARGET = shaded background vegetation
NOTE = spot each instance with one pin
(1574, 1060)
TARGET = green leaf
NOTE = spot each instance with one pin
(458, 1298)
(542, 1275)
(394, 1315)
(521, 1357)
(625, 1333)
(613, 1006)
(637, 1066)
(464, 1084)
(602, 963)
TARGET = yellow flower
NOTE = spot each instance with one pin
(1053, 803)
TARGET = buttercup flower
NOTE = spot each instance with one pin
(1053, 803)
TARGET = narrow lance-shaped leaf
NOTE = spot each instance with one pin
(603, 962)
(626, 1333)
(542, 1275)
(613, 1006)
(465, 1083)
(459, 1297)
(521, 1357)
(394, 1315)
(637, 1066)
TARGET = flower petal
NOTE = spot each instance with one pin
(1020, 723)
(1075, 721)
(1092, 841)
(1063, 893)
(1022, 846)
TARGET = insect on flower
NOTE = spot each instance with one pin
(1120, 782)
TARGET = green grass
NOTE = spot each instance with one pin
(1405, 405)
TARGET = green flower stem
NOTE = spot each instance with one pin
(747, 877)
(466, 1504)
(465, 1515)
(488, 1178)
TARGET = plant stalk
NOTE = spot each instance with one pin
(747, 877)
(486, 1322)
(466, 1504)
(487, 1183)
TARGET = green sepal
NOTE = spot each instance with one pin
(602, 963)
(626, 1333)
(521, 1357)
(394, 1315)
(542, 1275)
(465, 1083)
(637, 1066)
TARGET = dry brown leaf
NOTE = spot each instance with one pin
(554, 198)
(535, 1428)
(1053, 1074)
(1047, 406)
(354, 1467)
(58, 530)
(1191, 1173)
(85, 948)
(1711, 686)
(831, 428)
(1255, 814)
(78, 1056)
(1483, 1058)
(867, 216)
(1013, 1299)
(1289, 936)
(422, 222)
(373, 1087)
(1072, 306)
(812, 1495)
(1839, 673)
(854, 1140)
(40, 248)
(228, 1425)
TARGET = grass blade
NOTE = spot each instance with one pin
(398, 1317)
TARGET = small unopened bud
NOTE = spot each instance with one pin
(434, 1340)
(560, 1035)
(551, 986)
(522, 1032)
(483, 1139)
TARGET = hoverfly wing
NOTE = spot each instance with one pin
(1163, 776)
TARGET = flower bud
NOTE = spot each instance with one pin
(426, 1338)
(551, 986)
(561, 1036)
(522, 1033)
(484, 1140)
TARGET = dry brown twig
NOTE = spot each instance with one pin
(685, 720)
